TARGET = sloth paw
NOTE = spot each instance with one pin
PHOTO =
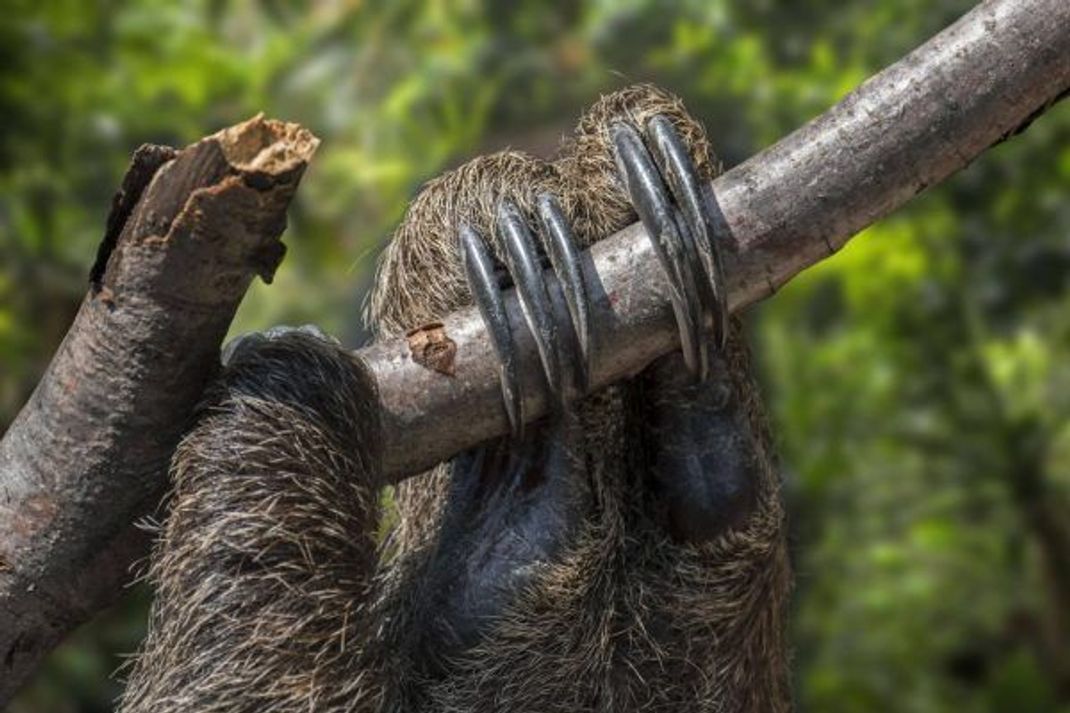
(664, 187)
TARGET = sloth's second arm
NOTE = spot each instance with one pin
(263, 571)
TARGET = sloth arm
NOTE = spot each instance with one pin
(263, 570)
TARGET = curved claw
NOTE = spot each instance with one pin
(677, 166)
(479, 269)
(522, 261)
(565, 260)
(675, 213)
(674, 249)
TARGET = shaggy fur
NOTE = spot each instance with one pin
(270, 596)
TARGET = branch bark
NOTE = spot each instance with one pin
(88, 454)
(917, 122)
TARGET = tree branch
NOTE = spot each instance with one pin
(790, 206)
(88, 454)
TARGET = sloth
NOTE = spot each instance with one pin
(624, 554)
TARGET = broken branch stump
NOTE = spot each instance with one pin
(88, 454)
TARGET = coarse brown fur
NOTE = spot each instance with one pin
(271, 598)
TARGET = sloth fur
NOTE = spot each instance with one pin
(569, 572)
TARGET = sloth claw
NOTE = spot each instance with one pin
(664, 188)
(523, 264)
(486, 292)
(647, 192)
(565, 260)
(524, 268)
(676, 165)
(666, 193)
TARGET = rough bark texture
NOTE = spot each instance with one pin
(89, 452)
(790, 206)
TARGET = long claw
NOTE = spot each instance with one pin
(565, 260)
(674, 249)
(479, 269)
(666, 193)
(523, 263)
(676, 164)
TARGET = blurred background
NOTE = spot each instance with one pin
(919, 380)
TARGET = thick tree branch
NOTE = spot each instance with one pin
(88, 454)
(792, 205)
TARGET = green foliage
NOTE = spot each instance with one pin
(920, 381)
